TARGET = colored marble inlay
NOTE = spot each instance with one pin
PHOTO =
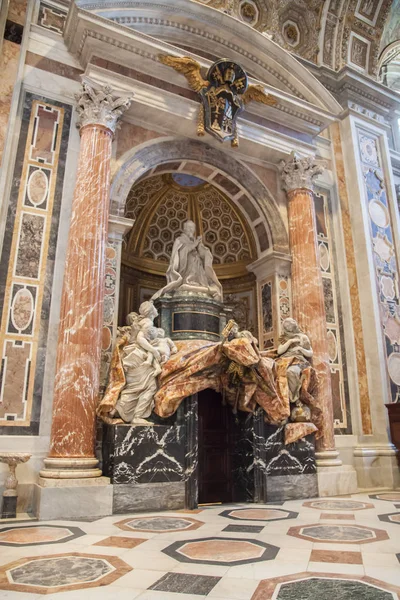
(334, 556)
(339, 533)
(32, 224)
(338, 505)
(259, 514)
(362, 378)
(390, 518)
(389, 497)
(314, 589)
(221, 551)
(182, 583)
(38, 534)
(51, 17)
(115, 541)
(159, 524)
(313, 586)
(337, 516)
(340, 397)
(386, 266)
(61, 572)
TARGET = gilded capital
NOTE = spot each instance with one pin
(299, 173)
(100, 105)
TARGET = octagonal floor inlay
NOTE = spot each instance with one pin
(338, 533)
(159, 524)
(35, 535)
(259, 514)
(390, 518)
(313, 586)
(338, 505)
(221, 551)
(61, 572)
(388, 496)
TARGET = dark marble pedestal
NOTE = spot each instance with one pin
(283, 472)
(146, 465)
(187, 316)
(9, 507)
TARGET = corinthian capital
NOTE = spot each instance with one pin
(100, 105)
(299, 172)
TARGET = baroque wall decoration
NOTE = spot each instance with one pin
(27, 261)
(385, 261)
(337, 356)
(52, 16)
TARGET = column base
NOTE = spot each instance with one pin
(70, 468)
(328, 458)
(377, 466)
(73, 498)
(336, 480)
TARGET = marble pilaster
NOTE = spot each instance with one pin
(81, 321)
(274, 298)
(307, 290)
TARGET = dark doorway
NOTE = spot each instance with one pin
(215, 449)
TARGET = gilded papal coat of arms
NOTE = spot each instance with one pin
(224, 93)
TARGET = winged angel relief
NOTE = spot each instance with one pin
(224, 94)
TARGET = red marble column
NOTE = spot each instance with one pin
(81, 320)
(307, 290)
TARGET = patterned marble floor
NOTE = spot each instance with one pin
(338, 548)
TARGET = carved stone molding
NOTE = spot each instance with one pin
(100, 105)
(299, 173)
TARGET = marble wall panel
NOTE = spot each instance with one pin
(267, 313)
(52, 16)
(337, 356)
(110, 292)
(9, 62)
(353, 285)
(243, 307)
(27, 260)
(384, 256)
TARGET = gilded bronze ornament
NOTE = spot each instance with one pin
(224, 93)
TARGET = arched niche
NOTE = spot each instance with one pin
(144, 159)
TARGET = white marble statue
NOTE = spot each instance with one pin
(295, 345)
(190, 268)
(142, 357)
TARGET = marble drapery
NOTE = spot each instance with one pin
(308, 298)
(246, 378)
(79, 346)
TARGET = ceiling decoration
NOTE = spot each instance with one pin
(162, 203)
(334, 33)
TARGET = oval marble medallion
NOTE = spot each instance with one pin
(332, 346)
(394, 367)
(22, 309)
(38, 187)
(379, 213)
(324, 257)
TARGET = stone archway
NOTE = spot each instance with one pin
(141, 160)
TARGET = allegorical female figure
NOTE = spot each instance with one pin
(140, 352)
(190, 268)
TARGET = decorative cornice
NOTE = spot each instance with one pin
(299, 173)
(100, 105)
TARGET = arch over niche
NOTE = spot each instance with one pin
(144, 159)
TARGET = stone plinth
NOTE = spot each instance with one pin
(146, 465)
(289, 472)
(187, 316)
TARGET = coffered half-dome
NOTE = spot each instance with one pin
(161, 204)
